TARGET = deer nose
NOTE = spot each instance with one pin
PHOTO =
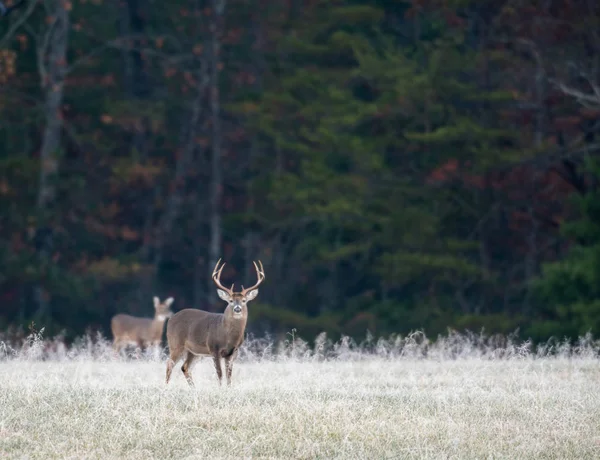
(237, 309)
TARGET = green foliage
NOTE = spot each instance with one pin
(569, 289)
(388, 161)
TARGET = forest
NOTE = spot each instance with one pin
(395, 164)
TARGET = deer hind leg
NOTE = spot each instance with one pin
(120, 348)
(217, 361)
(187, 368)
(174, 356)
(117, 346)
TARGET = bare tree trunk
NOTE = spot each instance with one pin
(175, 198)
(125, 30)
(216, 180)
(181, 170)
(52, 66)
(201, 283)
(251, 237)
(277, 263)
(130, 22)
(249, 240)
(531, 259)
(137, 87)
(330, 287)
(138, 83)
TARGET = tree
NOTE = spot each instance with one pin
(568, 289)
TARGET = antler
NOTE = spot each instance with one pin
(260, 274)
(216, 276)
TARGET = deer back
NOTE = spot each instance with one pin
(131, 326)
(134, 328)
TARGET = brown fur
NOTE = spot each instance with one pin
(143, 332)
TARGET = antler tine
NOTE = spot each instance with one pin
(260, 274)
(216, 269)
(216, 276)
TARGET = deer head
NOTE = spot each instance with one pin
(236, 301)
(162, 310)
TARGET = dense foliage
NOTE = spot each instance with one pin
(395, 165)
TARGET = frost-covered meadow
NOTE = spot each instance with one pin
(463, 397)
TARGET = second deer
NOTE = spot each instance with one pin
(192, 333)
(142, 332)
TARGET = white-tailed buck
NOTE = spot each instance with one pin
(192, 333)
(143, 332)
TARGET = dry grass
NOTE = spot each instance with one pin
(403, 398)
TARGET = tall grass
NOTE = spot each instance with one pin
(461, 396)
(413, 346)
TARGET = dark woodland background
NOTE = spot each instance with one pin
(395, 164)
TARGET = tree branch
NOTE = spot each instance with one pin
(591, 101)
(16, 24)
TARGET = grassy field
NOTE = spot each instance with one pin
(393, 402)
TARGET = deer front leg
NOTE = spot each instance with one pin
(117, 346)
(140, 348)
(217, 361)
(229, 366)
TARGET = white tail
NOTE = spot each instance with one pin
(143, 332)
(192, 333)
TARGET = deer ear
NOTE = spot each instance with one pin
(252, 295)
(169, 301)
(223, 295)
(156, 302)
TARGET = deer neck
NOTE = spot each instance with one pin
(234, 327)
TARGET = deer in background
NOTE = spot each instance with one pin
(143, 332)
(192, 333)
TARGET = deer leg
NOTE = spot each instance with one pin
(174, 356)
(187, 368)
(139, 349)
(170, 365)
(217, 361)
(229, 366)
(117, 346)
